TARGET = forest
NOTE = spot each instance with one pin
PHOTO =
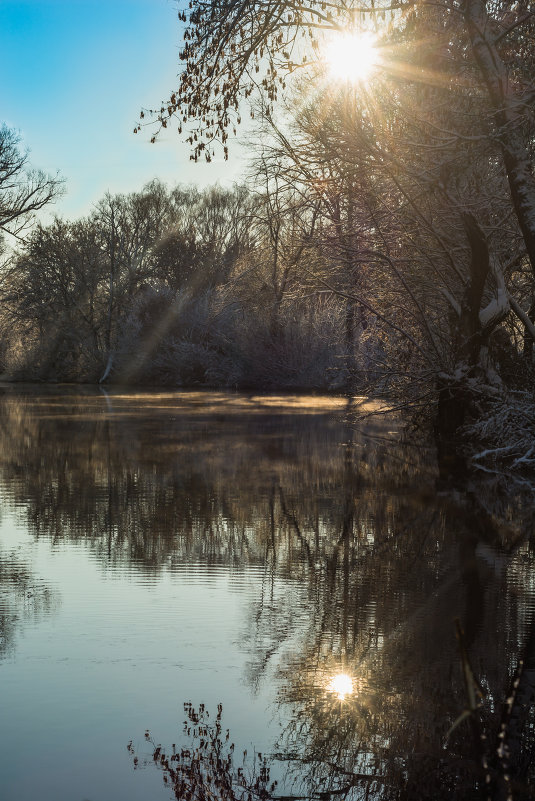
(383, 243)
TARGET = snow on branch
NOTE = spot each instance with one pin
(523, 317)
(507, 434)
(455, 305)
(498, 307)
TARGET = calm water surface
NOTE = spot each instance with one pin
(210, 548)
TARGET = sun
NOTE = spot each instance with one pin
(351, 56)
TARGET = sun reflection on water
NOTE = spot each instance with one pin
(341, 685)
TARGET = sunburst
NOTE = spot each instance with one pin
(350, 57)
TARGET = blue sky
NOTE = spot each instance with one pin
(75, 74)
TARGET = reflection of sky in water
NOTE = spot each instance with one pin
(120, 654)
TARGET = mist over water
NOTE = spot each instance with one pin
(162, 548)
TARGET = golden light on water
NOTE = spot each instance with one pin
(351, 56)
(341, 685)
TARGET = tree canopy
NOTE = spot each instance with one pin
(423, 173)
(23, 190)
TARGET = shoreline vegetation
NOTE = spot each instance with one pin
(182, 288)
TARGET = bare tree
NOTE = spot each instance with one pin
(53, 300)
(23, 190)
(455, 78)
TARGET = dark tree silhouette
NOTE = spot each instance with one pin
(23, 191)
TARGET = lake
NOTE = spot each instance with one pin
(275, 555)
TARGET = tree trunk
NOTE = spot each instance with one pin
(508, 120)
(454, 399)
(470, 334)
(527, 351)
(350, 344)
(110, 305)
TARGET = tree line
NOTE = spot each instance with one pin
(175, 286)
(385, 243)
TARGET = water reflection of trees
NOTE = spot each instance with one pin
(216, 478)
(382, 598)
(23, 598)
(364, 569)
